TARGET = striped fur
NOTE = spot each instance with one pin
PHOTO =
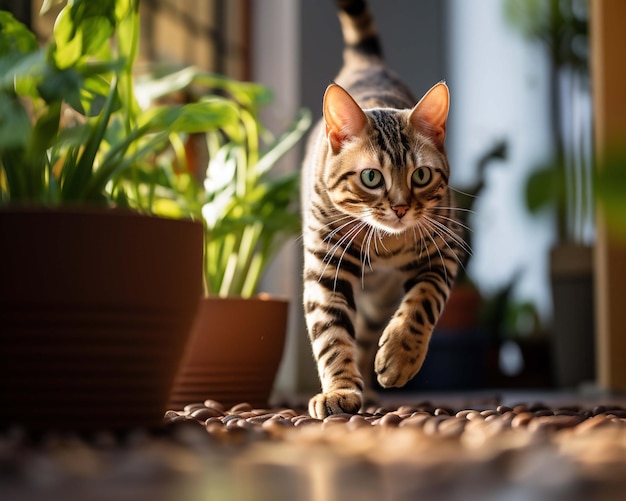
(381, 245)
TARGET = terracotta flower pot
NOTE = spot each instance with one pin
(234, 353)
(462, 311)
(95, 312)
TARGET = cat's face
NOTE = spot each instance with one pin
(387, 167)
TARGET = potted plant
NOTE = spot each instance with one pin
(98, 297)
(564, 184)
(249, 211)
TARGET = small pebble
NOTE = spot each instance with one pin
(358, 421)
(521, 419)
(452, 428)
(204, 413)
(552, 423)
(343, 417)
(390, 419)
(215, 404)
(543, 412)
(171, 414)
(189, 408)
(239, 408)
(230, 417)
(592, 423)
(431, 425)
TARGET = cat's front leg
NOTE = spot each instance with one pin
(404, 342)
(330, 314)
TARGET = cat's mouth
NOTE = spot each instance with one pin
(395, 225)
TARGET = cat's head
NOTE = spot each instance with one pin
(385, 166)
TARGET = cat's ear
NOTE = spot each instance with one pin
(430, 114)
(343, 116)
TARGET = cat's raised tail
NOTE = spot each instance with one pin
(358, 28)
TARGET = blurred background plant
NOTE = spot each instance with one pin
(564, 183)
(227, 179)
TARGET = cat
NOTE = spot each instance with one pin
(381, 243)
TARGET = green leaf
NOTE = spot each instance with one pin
(285, 142)
(69, 43)
(81, 29)
(544, 187)
(74, 188)
(15, 37)
(58, 86)
(45, 131)
(250, 94)
(15, 124)
(191, 118)
(22, 73)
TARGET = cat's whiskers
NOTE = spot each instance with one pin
(452, 220)
(381, 238)
(366, 258)
(371, 233)
(456, 209)
(425, 221)
(447, 233)
(422, 242)
(331, 250)
(351, 234)
(348, 218)
(320, 229)
(348, 236)
(442, 231)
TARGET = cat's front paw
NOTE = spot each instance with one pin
(397, 361)
(335, 402)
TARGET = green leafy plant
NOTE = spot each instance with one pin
(248, 209)
(251, 213)
(70, 123)
(563, 183)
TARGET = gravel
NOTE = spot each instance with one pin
(409, 451)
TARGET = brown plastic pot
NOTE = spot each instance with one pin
(234, 353)
(95, 312)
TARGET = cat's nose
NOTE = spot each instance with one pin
(400, 210)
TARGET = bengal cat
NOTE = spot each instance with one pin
(381, 243)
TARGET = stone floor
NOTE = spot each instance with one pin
(460, 447)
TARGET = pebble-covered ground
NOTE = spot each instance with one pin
(417, 450)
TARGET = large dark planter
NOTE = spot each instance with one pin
(95, 312)
(234, 353)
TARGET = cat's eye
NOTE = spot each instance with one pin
(372, 178)
(421, 176)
